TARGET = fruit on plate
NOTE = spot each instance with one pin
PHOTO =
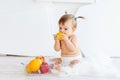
(34, 65)
(28, 69)
(41, 58)
(44, 68)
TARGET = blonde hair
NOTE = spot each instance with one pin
(67, 17)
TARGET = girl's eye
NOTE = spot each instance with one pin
(66, 29)
(60, 28)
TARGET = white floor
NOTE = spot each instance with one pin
(13, 68)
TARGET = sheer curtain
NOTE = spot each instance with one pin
(99, 36)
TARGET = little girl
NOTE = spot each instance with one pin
(69, 46)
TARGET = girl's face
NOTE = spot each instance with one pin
(66, 28)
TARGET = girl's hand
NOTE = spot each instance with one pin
(55, 37)
(64, 37)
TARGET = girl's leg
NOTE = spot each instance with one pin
(74, 62)
(57, 60)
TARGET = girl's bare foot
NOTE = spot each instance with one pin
(56, 66)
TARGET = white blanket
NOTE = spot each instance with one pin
(13, 68)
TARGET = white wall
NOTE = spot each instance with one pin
(27, 26)
(100, 31)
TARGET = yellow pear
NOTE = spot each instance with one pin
(35, 64)
(28, 69)
(59, 35)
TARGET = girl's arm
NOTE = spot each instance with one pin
(72, 44)
(57, 43)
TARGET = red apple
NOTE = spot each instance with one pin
(41, 58)
(44, 68)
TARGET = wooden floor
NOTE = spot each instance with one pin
(13, 68)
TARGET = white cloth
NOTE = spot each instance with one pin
(81, 68)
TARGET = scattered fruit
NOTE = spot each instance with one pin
(44, 68)
(28, 69)
(41, 58)
(59, 34)
(38, 65)
(34, 65)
